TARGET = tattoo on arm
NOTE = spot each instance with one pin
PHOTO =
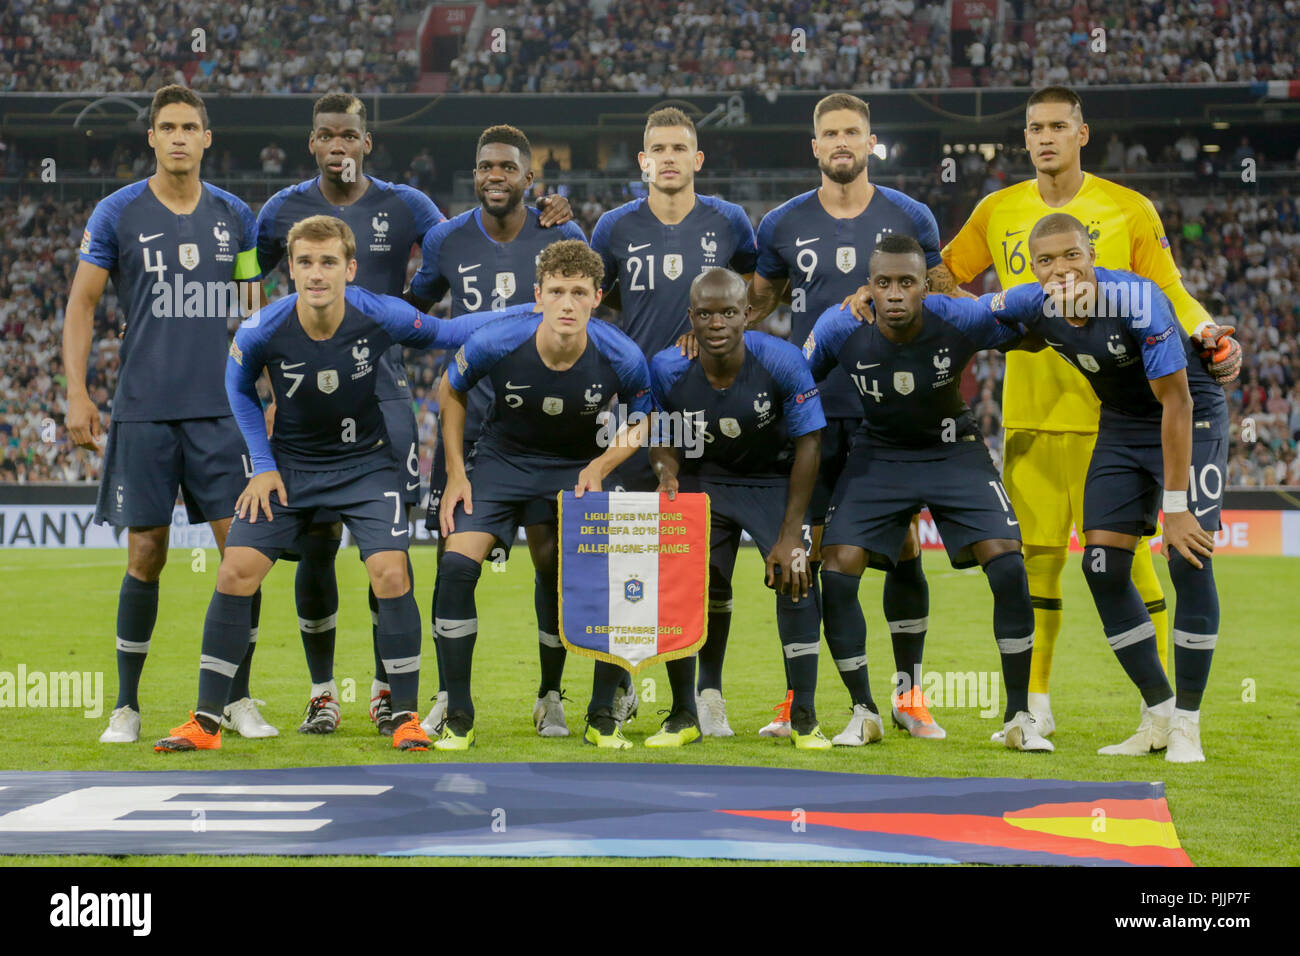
(943, 282)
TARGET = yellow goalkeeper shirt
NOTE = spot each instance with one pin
(1043, 391)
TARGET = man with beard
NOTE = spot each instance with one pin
(485, 257)
(818, 243)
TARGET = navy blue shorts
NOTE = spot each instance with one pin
(757, 509)
(368, 499)
(837, 439)
(404, 438)
(1125, 483)
(145, 464)
(503, 519)
(876, 497)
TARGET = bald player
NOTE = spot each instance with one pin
(1049, 411)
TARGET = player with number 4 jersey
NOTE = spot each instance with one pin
(179, 252)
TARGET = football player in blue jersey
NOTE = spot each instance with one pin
(817, 246)
(329, 449)
(390, 220)
(1161, 445)
(553, 372)
(751, 405)
(485, 258)
(653, 248)
(918, 445)
(161, 241)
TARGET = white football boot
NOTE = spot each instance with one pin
(713, 714)
(1184, 741)
(245, 719)
(1152, 736)
(864, 727)
(123, 727)
(1021, 732)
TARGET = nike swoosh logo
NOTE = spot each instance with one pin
(144, 238)
(804, 242)
(1015, 232)
(1055, 345)
(1200, 511)
(644, 245)
(468, 268)
(285, 366)
(864, 367)
(398, 534)
(412, 485)
(1012, 524)
(515, 387)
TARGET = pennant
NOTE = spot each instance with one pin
(634, 576)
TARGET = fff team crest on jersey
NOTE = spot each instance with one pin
(327, 381)
(846, 257)
(709, 246)
(904, 383)
(673, 265)
(188, 253)
(379, 241)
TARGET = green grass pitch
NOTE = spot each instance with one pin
(1241, 808)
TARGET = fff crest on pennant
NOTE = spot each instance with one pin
(633, 589)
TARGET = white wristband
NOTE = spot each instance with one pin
(1175, 501)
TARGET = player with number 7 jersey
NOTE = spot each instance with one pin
(918, 446)
(330, 450)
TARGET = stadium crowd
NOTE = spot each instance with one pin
(294, 47)
(664, 47)
(1238, 256)
(679, 47)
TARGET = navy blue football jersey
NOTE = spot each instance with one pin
(826, 261)
(654, 264)
(176, 280)
(542, 412)
(1132, 337)
(387, 221)
(909, 395)
(327, 407)
(745, 430)
(483, 275)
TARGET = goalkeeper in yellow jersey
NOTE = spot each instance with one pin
(1049, 412)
